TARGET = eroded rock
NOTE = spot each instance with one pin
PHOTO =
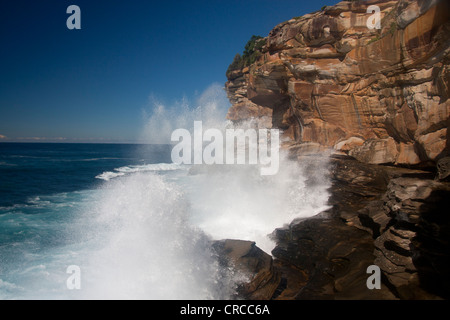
(260, 278)
(381, 97)
(394, 218)
(327, 78)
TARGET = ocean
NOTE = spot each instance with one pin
(134, 224)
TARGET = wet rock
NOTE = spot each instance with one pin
(414, 252)
(394, 218)
(326, 257)
(259, 278)
(332, 257)
(443, 168)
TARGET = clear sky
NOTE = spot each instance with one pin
(93, 84)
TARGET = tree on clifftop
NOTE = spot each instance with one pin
(252, 51)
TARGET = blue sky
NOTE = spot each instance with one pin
(92, 85)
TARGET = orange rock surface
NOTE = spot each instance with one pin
(380, 95)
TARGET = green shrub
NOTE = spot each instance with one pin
(252, 51)
(375, 39)
(393, 28)
(235, 65)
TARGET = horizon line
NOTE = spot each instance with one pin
(86, 142)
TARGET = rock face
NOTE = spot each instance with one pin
(380, 99)
(260, 278)
(393, 218)
(414, 247)
(379, 95)
(328, 250)
(390, 217)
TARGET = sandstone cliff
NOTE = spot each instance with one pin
(379, 95)
(374, 96)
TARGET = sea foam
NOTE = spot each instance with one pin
(146, 246)
(119, 172)
(146, 231)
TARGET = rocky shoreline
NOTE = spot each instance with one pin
(378, 99)
(394, 218)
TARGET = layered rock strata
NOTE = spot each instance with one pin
(393, 218)
(379, 99)
(380, 95)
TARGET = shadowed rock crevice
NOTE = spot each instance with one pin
(432, 243)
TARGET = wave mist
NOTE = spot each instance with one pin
(154, 230)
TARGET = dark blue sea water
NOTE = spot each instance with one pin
(134, 224)
(28, 170)
(50, 198)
